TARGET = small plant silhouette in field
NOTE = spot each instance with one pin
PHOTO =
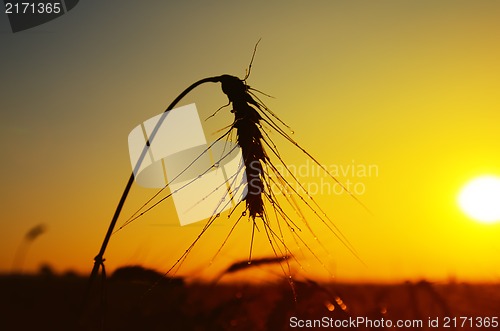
(24, 246)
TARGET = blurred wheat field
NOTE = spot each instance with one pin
(51, 302)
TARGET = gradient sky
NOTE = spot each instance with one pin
(410, 87)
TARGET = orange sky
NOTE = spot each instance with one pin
(410, 89)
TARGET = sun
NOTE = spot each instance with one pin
(480, 199)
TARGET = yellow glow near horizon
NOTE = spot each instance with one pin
(480, 199)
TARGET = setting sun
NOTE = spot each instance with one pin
(480, 199)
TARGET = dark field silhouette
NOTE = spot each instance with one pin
(53, 302)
